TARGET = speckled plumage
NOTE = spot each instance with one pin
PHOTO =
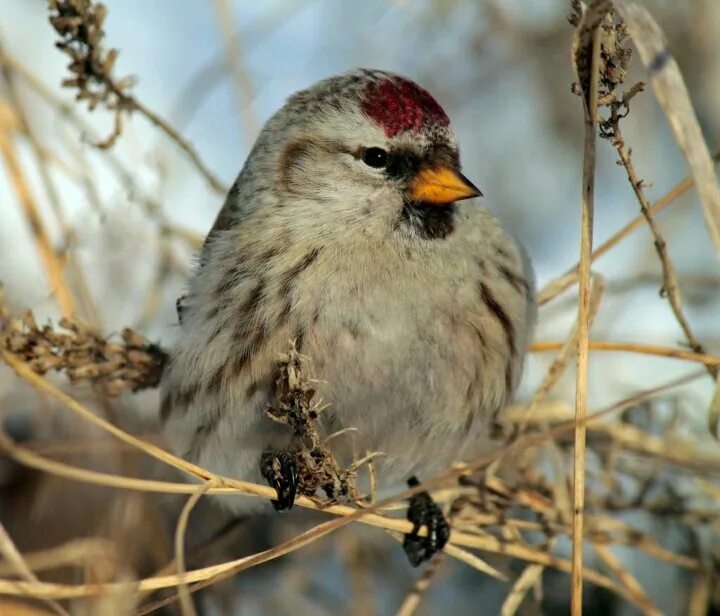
(416, 318)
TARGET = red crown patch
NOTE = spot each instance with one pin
(399, 105)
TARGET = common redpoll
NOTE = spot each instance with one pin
(344, 232)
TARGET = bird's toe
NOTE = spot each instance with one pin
(280, 471)
(423, 512)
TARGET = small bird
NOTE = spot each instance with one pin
(347, 231)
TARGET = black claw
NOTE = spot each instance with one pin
(422, 511)
(279, 469)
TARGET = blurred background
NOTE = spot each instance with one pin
(128, 219)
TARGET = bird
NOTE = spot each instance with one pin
(352, 230)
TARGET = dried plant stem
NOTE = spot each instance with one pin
(167, 128)
(186, 603)
(560, 362)
(20, 567)
(215, 573)
(669, 197)
(487, 543)
(237, 69)
(473, 561)
(52, 264)
(672, 95)
(486, 520)
(79, 27)
(76, 552)
(527, 579)
(42, 157)
(631, 584)
(583, 320)
(714, 410)
(412, 601)
(644, 349)
(25, 372)
(699, 603)
(556, 286)
(671, 286)
(124, 176)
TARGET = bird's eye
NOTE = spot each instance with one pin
(375, 157)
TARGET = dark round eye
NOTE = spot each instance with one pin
(375, 157)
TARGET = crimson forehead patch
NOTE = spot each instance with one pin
(399, 105)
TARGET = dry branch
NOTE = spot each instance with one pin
(79, 23)
(587, 46)
(54, 268)
(670, 90)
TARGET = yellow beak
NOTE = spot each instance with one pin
(441, 185)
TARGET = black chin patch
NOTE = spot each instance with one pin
(430, 222)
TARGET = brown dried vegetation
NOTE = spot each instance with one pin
(83, 354)
(297, 408)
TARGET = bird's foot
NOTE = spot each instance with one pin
(280, 471)
(423, 511)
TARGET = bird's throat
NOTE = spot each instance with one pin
(428, 221)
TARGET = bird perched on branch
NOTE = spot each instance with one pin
(347, 230)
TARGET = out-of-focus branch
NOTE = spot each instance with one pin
(50, 260)
(237, 68)
(80, 26)
(671, 286)
(43, 158)
(616, 56)
(672, 95)
(588, 42)
(124, 175)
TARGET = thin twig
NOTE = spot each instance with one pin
(52, 264)
(412, 600)
(527, 579)
(186, 604)
(556, 286)
(237, 69)
(671, 286)
(634, 347)
(587, 58)
(79, 26)
(672, 95)
(167, 128)
(631, 584)
(20, 567)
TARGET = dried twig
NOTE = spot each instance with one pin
(366, 515)
(553, 288)
(53, 265)
(80, 26)
(611, 130)
(631, 584)
(586, 56)
(185, 600)
(644, 349)
(530, 577)
(237, 69)
(412, 600)
(670, 90)
(297, 407)
(19, 566)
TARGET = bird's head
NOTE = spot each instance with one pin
(368, 150)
